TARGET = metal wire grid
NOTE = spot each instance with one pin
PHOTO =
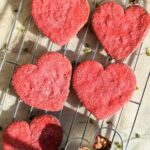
(49, 46)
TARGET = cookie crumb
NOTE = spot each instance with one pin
(137, 135)
(148, 51)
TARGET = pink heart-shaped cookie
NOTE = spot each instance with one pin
(103, 91)
(46, 84)
(120, 31)
(60, 20)
(43, 133)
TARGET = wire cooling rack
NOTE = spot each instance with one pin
(100, 127)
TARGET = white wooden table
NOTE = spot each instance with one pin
(35, 44)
